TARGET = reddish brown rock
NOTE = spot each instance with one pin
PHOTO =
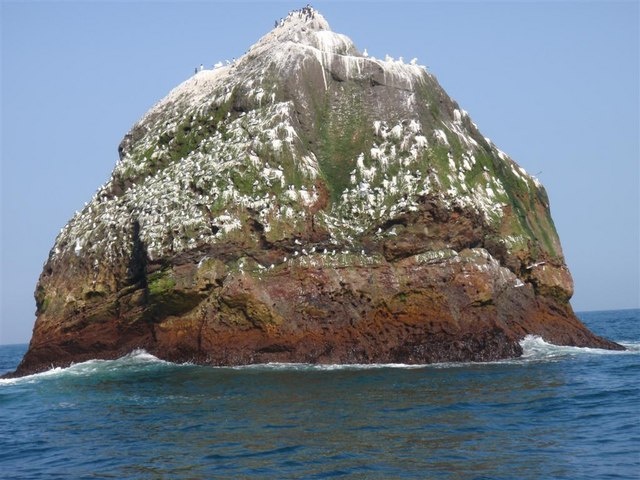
(342, 308)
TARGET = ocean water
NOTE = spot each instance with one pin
(556, 413)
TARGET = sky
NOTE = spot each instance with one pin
(554, 84)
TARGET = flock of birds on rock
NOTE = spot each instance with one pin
(307, 13)
(204, 197)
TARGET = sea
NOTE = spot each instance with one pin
(555, 413)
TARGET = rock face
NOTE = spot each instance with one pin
(307, 203)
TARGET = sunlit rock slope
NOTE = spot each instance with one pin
(307, 203)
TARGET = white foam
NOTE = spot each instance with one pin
(277, 366)
(536, 348)
(32, 378)
(90, 367)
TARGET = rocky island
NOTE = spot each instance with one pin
(307, 203)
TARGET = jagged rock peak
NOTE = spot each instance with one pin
(305, 28)
(308, 27)
(297, 25)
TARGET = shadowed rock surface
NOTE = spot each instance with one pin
(307, 203)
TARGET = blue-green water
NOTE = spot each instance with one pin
(559, 412)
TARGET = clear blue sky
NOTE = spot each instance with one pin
(554, 84)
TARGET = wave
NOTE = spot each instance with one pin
(535, 349)
(136, 359)
(275, 366)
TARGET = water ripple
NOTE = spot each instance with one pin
(559, 413)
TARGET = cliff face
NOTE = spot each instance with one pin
(307, 203)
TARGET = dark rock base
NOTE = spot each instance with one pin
(405, 312)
